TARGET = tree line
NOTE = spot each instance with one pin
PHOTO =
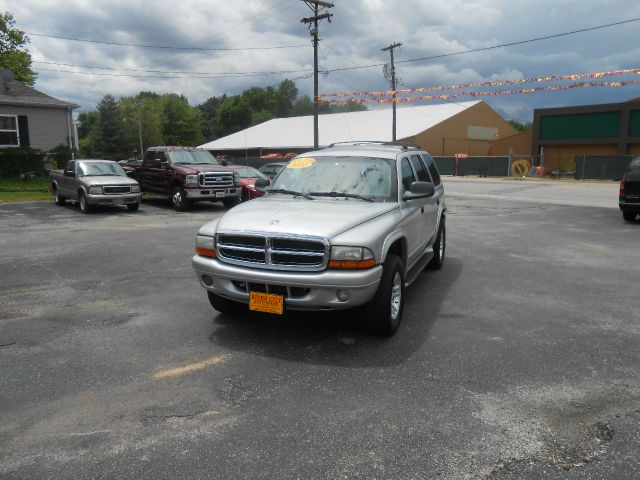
(112, 130)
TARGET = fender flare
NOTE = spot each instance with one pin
(392, 238)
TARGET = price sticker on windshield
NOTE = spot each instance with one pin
(303, 162)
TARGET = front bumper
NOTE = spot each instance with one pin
(212, 193)
(302, 290)
(114, 199)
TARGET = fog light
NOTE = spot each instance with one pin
(343, 295)
(207, 280)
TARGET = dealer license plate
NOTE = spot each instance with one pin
(266, 302)
(220, 194)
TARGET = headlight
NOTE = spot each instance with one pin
(95, 190)
(236, 178)
(206, 245)
(251, 187)
(351, 257)
(192, 179)
(135, 188)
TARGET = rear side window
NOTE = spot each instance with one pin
(407, 174)
(433, 170)
(420, 169)
(634, 166)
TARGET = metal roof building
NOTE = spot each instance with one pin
(443, 129)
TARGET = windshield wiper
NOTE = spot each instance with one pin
(290, 192)
(340, 194)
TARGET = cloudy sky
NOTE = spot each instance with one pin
(200, 67)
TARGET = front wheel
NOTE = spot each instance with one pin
(60, 200)
(231, 202)
(382, 315)
(438, 248)
(224, 305)
(179, 199)
(629, 216)
(133, 207)
(84, 205)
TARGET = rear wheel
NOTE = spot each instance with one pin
(84, 205)
(179, 199)
(629, 216)
(439, 247)
(382, 315)
(133, 206)
(224, 305)
(60, 200)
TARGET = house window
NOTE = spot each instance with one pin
(9, 136)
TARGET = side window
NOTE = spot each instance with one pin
(407, 174)
(149, 157)
(433, 170)
(160, 157)
(420, 169)
(71, 167)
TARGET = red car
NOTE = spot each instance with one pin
(248, 176)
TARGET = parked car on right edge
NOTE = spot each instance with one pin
(629, 199)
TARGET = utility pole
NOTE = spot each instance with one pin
(390, 49)
(316, 6)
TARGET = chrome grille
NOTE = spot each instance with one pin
(275, 252)
(216, 179)
(108, 190)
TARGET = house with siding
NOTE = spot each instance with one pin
(30, 118)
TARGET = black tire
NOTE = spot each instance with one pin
(84, 206)
(60, 200)
(629, 216)
(133, 207)
(231, 202)
(439, 247)
(382, 315)
(179, 199)
(224, 305)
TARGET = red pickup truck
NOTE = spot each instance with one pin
(186, 175)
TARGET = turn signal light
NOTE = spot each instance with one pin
(206, 252)
(352, 264)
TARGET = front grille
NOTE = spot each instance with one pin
(274, 252)
(116, 189)
(216, 179)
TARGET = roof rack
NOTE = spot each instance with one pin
(402, 145)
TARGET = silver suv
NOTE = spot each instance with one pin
(347, 226)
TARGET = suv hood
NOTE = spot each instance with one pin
(195, 169)
(321, 217)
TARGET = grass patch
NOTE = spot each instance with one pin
(19, 190)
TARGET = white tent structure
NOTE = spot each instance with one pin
(297, 132)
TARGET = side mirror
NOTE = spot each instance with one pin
(419, 190)
(262, 184)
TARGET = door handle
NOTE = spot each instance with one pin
(421, 209)
(438, 202)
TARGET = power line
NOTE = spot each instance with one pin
(164, 47)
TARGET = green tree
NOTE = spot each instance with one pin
(88, 133)
(181, 124)
(112, 141)
(521, 127)
(209, 110)
(146, 107)
(13, 54)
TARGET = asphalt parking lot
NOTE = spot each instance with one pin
(519, 359)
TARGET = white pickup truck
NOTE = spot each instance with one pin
(347, 226)
(95, 182)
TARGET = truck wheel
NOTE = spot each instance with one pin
(231, 202)
(224, 305)
(60, 200)
(439, 247)
(382, 315)
(82, 200)
(133, 206)
(629, 216)
(179, 199)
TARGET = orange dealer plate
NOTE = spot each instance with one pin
(266, 302)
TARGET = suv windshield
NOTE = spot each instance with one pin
(340, 178)
(192, 157)
(100, 168)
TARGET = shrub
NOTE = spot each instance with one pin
(59, 156)
(15, 161)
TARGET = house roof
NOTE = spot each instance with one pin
(13, 92)
(297, 132)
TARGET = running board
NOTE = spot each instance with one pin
(419, 266)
